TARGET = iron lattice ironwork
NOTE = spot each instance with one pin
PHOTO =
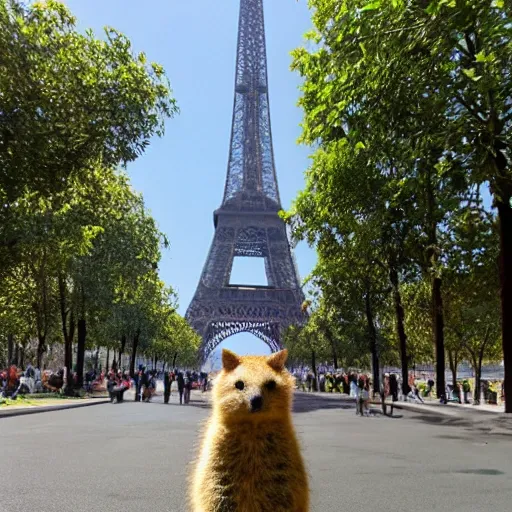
(247, 223)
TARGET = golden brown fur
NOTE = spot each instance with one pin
(250, 459)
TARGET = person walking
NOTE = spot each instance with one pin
(181, 386)
(188, 387)
(359, 397)
(393, 387)
(430, 387)
(138, 383)
(365, 395)
(167, 387)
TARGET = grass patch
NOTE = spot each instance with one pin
(9, 402)
(40, 399)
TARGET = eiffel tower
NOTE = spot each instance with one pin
(247, 223)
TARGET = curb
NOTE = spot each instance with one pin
(48, 408)
(434, 408)
(442, 410)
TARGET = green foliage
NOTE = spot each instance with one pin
(176, 341)
(70, 100)
(472, 298)
(407, 105)
(77, 245)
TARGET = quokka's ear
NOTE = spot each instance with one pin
(276, 361)
(229, 360)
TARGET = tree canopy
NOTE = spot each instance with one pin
(407, 106)
(79, 251)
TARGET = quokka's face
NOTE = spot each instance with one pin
(253, 387)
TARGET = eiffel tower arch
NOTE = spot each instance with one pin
(247, 223)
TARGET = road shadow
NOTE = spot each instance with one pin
(483, 471)
(469, 426)
(301, 403)
(453, 438)
(445, 421)
(304, 402)
(199, 404)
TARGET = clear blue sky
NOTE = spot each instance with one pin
(182, 175)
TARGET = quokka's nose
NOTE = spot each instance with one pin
(256, 403)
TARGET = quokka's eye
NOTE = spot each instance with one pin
(239, 385)
(271, 385)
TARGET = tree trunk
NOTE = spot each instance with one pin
(438, 324)
(68, 348)
(10, 348)
(330, 338)
(315, 376)
(96, 359)
(372, 333)
(80, 356)
(21, 362)
(155, 362)
(16, 354)
(400, 328)
(480, 360)
(68, 333)
(437, 298)
(121, 350)
(478, 390)
(107, 368)
(135, 345)
(41, 349)
(505, 226)
(174, 360)
(453, 368)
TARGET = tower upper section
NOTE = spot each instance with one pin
(251, 183)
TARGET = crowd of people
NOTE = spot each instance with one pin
(145, 384)
(358, 384)
(14, 381)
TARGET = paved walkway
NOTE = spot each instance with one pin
(486, 408)
(428, 405)
(134, 457)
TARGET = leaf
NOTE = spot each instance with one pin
(480, 56)
(372, 6)
(471, 73)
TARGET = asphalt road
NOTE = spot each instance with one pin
(135, 457)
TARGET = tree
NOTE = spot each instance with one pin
(69, 99)
(463, 52)
(346, 320)
(176, 341)
(69, 105)
(73, 108)
(472, 305)
(394, 94)
(125, 250)
(468, 66)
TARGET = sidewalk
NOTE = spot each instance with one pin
(429, 407)
(59, 405)
(434, 406)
